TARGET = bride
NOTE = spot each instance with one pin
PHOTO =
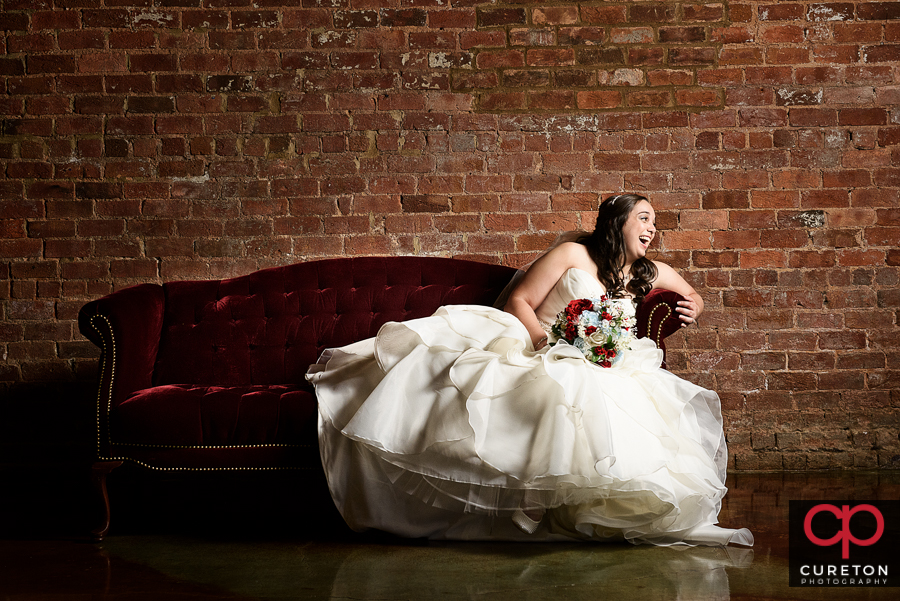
(469, 425)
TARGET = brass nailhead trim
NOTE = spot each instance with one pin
(657, 338)
(232, 446)
(105, 353)
(202, 469)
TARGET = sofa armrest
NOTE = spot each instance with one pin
(657, 318)
(126, 325)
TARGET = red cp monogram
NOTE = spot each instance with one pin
(844, 514)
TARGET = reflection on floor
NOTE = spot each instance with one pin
(177, 539)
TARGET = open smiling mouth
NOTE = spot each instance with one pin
(645, 239)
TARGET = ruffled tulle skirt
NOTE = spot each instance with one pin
(442, 427)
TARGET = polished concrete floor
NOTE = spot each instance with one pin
(177, 539)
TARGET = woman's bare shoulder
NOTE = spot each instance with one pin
(560, 258)
(574, 251)
(663, 267)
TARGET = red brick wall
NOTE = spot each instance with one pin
(148, 141)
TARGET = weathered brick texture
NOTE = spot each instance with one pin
(148, 141)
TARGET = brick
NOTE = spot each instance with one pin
(552, 100)
(55, 20)
(599, 99)
(726, 199)
(590, 55)
(825, 198)
(603, 14)
(153, 63)
(665, 77)
(781, 12)
(747, 298)
(12, 66)
(539, 57)
(830, 12)
(13, 21)
(229, 83)
(636, 35)
(205, 19)
(462, 18)
(54, 105)
(232, 40)
(568, 36)
(665, 119)
(526, 78)
(704, 12)
(500, 58)
(555, 15)
(649, 99)
(481, 184)
(846, 54)
(30, 85)
(651, 14)
(813, 117)
(410, 17)
(431, 40)
(697, 98)
(737, 34)
(354, 60)
(168, 83)
(680, 35)
(473, 81)
(204, 62)
(862, 116)
(485, 39)
(253, 19)
(878, 11)
(50, 64)
(693, 56)
(714, 259)
(881, 54)
(645, 57)
(494, 17)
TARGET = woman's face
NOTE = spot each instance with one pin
(638, 231)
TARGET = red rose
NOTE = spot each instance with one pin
(578, 306)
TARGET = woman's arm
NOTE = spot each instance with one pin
(689, 310)
(537, 284)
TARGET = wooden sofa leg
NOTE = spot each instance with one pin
(99, 471)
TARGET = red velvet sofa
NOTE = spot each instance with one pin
(209, 375)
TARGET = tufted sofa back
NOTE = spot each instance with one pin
(267, 327)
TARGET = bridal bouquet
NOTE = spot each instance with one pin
(599, 328)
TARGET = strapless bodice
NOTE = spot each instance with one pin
(574, 283)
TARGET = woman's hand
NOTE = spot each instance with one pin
(690, 308)
(688, 311)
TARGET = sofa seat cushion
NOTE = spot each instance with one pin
(188, 415)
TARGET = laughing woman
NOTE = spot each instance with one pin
(477, 423)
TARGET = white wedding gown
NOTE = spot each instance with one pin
(442, 427)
